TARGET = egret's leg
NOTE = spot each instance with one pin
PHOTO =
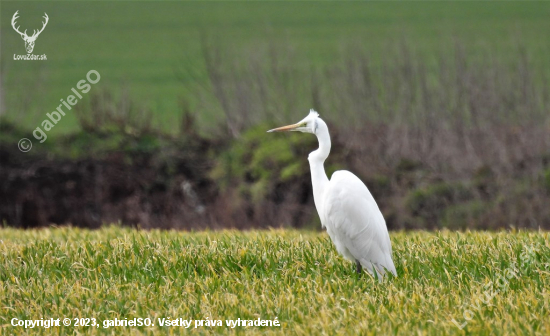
(358, 268)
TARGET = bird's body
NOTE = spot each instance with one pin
(346, 207)
(355, 224)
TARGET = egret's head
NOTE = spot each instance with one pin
(307, 125)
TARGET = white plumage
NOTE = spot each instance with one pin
(346, 207)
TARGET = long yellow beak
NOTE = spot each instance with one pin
(284, 128)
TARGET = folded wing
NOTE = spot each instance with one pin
(355, 224)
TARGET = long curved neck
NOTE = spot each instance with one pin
(317, 159)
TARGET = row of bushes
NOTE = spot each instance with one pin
(150, 180)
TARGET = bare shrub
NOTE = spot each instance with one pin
(106, 113)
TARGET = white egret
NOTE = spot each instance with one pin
(346, 207)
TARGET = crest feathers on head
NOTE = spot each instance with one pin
(313, 112)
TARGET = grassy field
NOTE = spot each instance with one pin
(488, 283)
(155, 49)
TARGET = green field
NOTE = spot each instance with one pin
(154, 49)
(496, 283)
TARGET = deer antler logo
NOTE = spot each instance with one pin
(29, 40)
